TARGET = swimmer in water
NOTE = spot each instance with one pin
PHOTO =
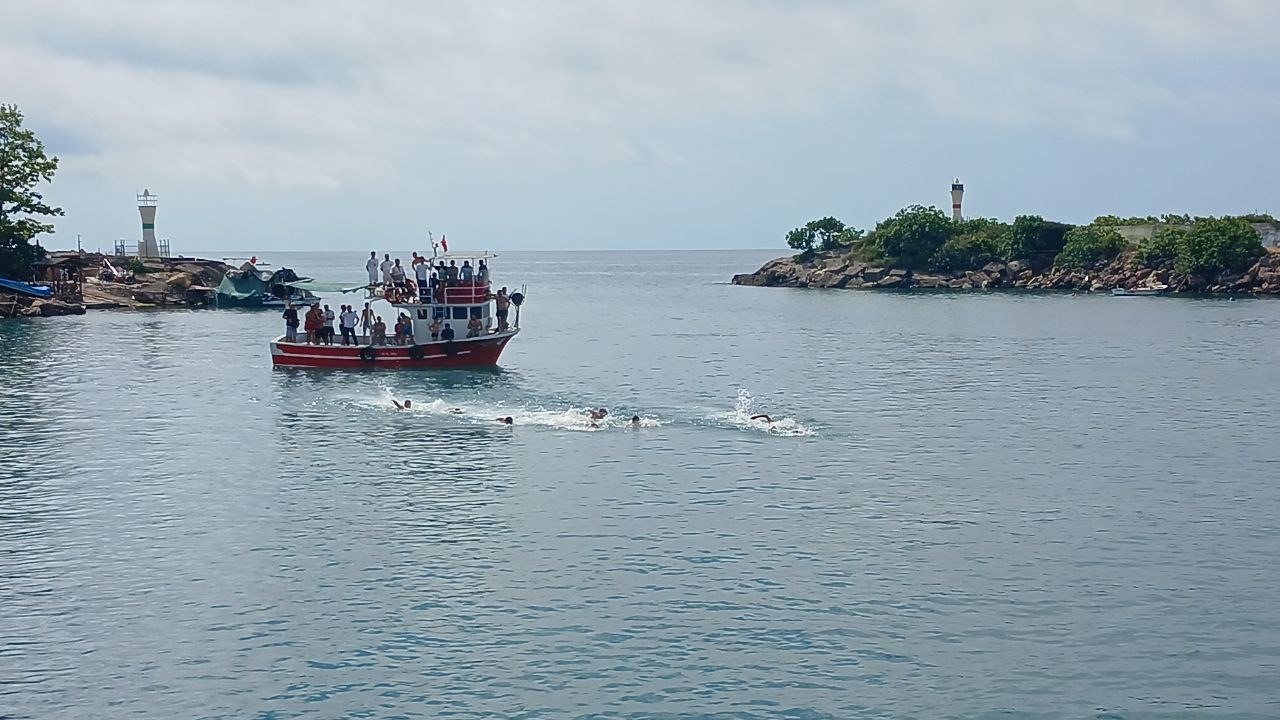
(505, 420)
(408, 405)
(598, 414)
(635, 421)
(763, 417)
(455, 411)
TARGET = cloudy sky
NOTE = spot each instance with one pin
(626, 124)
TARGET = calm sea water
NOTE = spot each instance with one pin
(977, 505)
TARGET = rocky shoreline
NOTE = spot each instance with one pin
(834, 270)
(157, 283)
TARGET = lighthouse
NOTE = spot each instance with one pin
(148, 247)
(957, 197)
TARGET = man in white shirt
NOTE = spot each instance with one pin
(423, 272)
(372, 267)
(386, 269)
(348, 323)
(326, 331)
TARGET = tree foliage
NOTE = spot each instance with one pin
(911, 237)
(1161, 248)
(1032, 235)
(825, 233)
(976, 243)
(1089, 245)
(23, 166)
(1215, 245)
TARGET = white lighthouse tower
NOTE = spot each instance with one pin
(957, 198)
(148, 247)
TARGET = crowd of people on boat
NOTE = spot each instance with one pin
(421, 279)
(365, 328)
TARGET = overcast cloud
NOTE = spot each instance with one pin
(339, 125)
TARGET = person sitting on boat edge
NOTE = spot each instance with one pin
(474, 326)
(447, 333)
(435, 329)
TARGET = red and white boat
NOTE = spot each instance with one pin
(453, 305)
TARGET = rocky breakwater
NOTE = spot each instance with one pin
(829, 271)
(181, 282)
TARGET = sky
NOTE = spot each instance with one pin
(612, 124)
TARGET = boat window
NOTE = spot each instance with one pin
(459, 313)
(441, 313)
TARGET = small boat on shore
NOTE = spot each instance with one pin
(1140, 291)
(470, 323)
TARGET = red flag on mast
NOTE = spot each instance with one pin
(444, 243)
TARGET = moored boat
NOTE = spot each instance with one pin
(470, 320)
(1140, 291)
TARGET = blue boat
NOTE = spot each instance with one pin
(27, 289)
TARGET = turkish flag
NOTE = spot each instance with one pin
(444, 243)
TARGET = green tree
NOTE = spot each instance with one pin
(980, 242)
(802, 239)
(1032, 236)
(1215, 245)
(23, 166)
(1089, 245)
(912, 236)
(1161, 248)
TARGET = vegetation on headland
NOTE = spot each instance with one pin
(23, 166)
(919, 238)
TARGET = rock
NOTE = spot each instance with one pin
(52, 308)
(958, 284)
(898, 272)
(993, 268)
(748, 279)
(892, 281)
(835, 266)
(182, 281)
(1017, 267)
(928, 281)
(872, 274)
(1024, 277)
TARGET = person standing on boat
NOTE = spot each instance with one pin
(468, 273)
(314, 321)
(328, 325)
(482, 273)
(435, 329)
(372, 267)
(348, 323)
(290, 323)
(453, 273)
(366, 323)
(422, 271)
(397, 275)
(379, 333)
(386, 268)
(503, 305)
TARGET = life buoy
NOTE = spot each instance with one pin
(451, 348)
(517, 299)
(367, 353)
(415, 352)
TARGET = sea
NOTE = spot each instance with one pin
(967, 505)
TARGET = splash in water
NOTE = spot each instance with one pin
(745, 416)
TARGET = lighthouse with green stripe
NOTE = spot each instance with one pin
(148, 247)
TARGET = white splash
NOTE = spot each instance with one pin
(746, 417)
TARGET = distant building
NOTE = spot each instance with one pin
(957, 199)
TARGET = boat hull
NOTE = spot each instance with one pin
(466, 353)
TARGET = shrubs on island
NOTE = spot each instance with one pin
(924, 238)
